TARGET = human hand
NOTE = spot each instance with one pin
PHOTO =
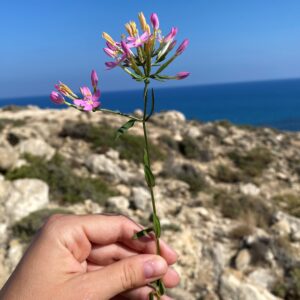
(90, 257)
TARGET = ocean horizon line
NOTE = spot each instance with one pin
(227, 83)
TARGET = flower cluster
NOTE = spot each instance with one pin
(144, 56)
(139, 53)
(89, 101)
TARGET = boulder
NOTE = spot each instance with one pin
(36, 147)
(141, 198)
(25, 196)
(249, 189)
(101, 164)
(118, 203)
(263, 277)
(234, 287)
(243, 260)
(8, 158)
(293, 224)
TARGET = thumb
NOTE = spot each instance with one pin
(126, 274)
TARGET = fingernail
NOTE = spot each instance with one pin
(154, 268)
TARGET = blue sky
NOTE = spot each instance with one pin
(233, 40)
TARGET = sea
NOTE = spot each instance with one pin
(273, 103)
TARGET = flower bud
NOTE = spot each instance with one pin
(108, 38)
(129, 30)
(65, 90)
(182, 75)
(171, 35)
(182, 47)
(126, 49)
(111, 47)
(154, 21)
(94, 79)
(109, 52)
(143, 21)
(57, 98)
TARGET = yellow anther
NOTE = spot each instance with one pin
(128, 28)
(133, 28)
(107, 37)
(148, 29)
(143, 21)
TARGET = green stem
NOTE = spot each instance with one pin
(116, 112)
(145, 119)
(104, 110)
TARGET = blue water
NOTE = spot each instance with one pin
(265, 103)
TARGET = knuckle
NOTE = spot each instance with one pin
(54, 222)
(128, 277)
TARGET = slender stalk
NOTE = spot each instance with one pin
(104, 110)
(145, 119)
(116, 112)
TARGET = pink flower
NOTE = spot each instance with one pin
(65, 90)
(126, 49)
(110, 52)
(110, 46)
(182, 75)
(90, 101)
(94, 79)
(112, 64)
(154, 20)
(86, 92)
(171, 35)
(182, 47)
(57, 98)
(138, 41)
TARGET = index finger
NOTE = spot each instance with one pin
(105, 230)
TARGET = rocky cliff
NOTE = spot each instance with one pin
(228, 196)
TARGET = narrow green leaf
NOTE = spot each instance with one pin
(151, 296)
(162, 67)
(142, 233)
(124, 128)
(161, 287)
(146, 158)
(156, 226)
(149, 176)
(133, 75)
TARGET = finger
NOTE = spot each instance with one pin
(126, 274)
(121, 229)
(108, 254)
(171, 278)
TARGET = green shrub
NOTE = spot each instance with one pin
(64, 185)
(191, 148)
(294, 164)
(252, 163)
(289, 203)
(27, 227)
(169, 142)
(102, 137)
(227, 175)
(194, 178)
(14, 123)
(289, 288)
(224, 123)
(240, 206)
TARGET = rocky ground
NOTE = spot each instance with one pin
(228, 196)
